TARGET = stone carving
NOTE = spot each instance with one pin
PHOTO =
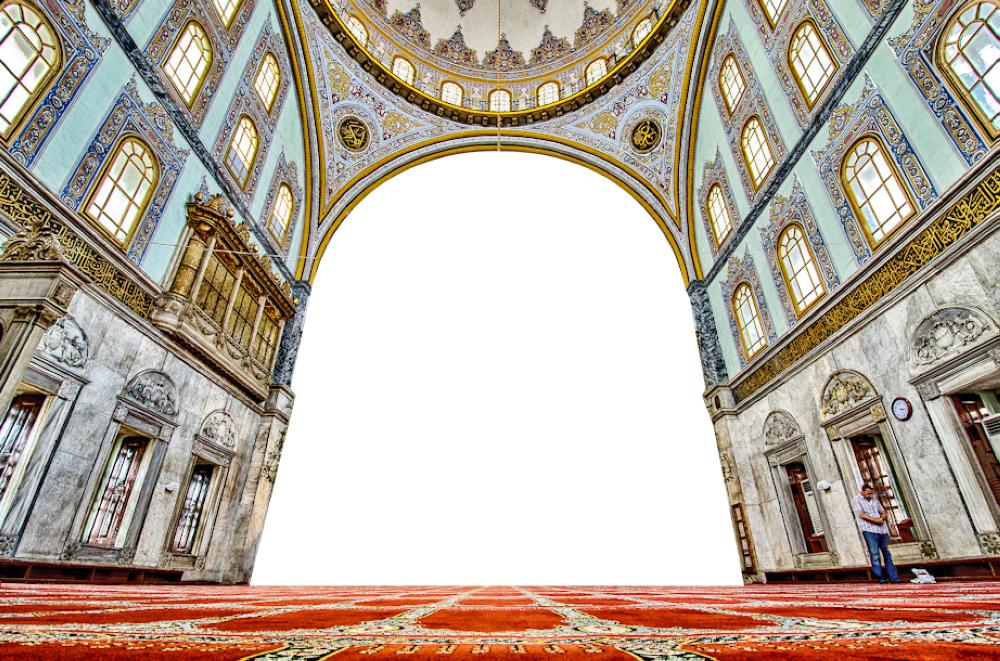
(929, 390)
(845, 391)
(155, 391)
(66, 343)
(36, 241)
(928, 551)
(947, 333)
(126, 556)
(780, 428)
(219, 427)
(69, 551)
(990, 541)
(269, 471)
(7, 545)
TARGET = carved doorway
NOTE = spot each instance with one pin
(868, 452)
(971, 411)
(807, 508)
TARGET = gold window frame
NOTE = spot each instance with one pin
(746, 157)
(245, 179)
(6, 137)
(800, 310)
(852, 201)
(538, 93)
(731, 107)
(757, 315)
(811, 103)
(96, 185)
(208, 69)
(228, 22)
(719, 240)
(954, 84)
(461, 91)
(772, 22)
(268, 57)
(291, 212)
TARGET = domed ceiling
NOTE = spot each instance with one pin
(551, 55)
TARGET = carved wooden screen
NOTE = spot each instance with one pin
(194, 505)
(240, 322)
(213, 294)
(117, 491)
(14, 434)
(875, 471)
(266, 341)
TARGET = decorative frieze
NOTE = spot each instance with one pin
(66, 343)
(845, 391)
(948, 332)
(155, 391)
(780, 428)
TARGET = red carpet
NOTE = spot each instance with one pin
(949, 622)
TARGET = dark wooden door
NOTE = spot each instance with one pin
(875, 471)
(806, 507)
(971, 412)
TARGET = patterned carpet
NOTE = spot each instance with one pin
(950, 621)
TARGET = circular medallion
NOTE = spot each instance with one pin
(353, 134)
(902, 409)
(646, 136)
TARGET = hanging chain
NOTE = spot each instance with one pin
(498, 75)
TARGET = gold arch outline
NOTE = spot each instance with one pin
(310, 272)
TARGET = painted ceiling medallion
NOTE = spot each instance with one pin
(353, 134)
(646, 136)
(465, 5)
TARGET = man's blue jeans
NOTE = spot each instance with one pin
(879, 542)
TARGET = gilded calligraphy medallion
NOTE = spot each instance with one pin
(353, 134)
(646, 136)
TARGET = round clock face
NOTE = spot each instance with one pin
(901, 408)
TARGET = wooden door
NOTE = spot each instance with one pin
(971, 412)
(875, 471)
(15, 430)
(807, 508)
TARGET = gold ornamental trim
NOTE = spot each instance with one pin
(23, 209)
(965, 214)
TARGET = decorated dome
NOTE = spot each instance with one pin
(473, 60)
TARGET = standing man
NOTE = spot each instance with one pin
(871, 518)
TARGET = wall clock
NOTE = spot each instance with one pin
(902, 409)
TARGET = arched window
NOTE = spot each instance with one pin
(452, 93)
(403, 70)
(189, 61)
(596, 70)
(227, 10)
(810, 61)
(242, 150)
(756, 151)
(718, 214)
(772, 9)
(499, 101)
(731, 82)
(123, 190)
(268, 80)
(748, 320)
(875, 189)
(969, 51)
(798, 266)
(641, 31)
(358, 29)
(30, 57)
(548, 93)
(281, 213)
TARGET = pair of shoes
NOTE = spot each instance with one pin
(883, 581)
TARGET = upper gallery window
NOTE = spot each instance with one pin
(124, 190)
(875, 189)
(756, 151)
(358, 29)
(641, 31)
(596, 70)
(281, 213)
(748, 320)
(548, 93)
(189, 61)
(268, 80)
(970, 54)
(798, 266)
(718, 214)
(810, 61)
(773, 9)
(227, 10)
(731, 82)
(500, 101)
(451, 93)
(403, 70)
(242, 150)
(30, 57)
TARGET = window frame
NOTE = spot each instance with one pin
(274, 205)
(538, 93)
(645, 22)
(719, 240)
(95, 187)
(500, 91)
(196, 93)
(228, 23)
(256, 152)
(772, 21)
(128, 513)
(6, 137)
(731, 108)
(352, 21)
(765, 341)
(952, 80)
(796, 75)
(461, 92)
(268, 105)
(586, 71)
(746, 157)
(856, 208)
(800, 310)
(413, 70)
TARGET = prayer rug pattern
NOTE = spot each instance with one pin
(782, 622)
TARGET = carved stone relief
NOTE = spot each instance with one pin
(844, 391)
(66, 343)
(780, 428)
(155, 391)
(219, 427)
(947, 333)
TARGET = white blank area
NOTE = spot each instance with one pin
(498, 383)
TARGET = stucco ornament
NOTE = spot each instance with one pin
(219, 427)
(845, 391)
(779, 428)
(36, 241)
(66, 343)
(947, 333)
(155, 391)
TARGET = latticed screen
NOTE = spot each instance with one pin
(875, 471)
(773, 9)
(29, 57)
(548, 93)
(267, 81)
(240, 322)
(117, 490)
(216, 286)
(266, 342)
(731, 82)
(15, 431)
(810, 60)
(801, 274)
(189, 61)
(500, 101)
(403, 70)
(194, 506)
(875, 189)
